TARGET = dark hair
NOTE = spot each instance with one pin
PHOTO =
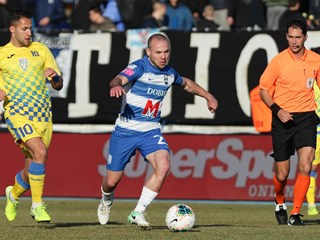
(298, 23)
(16, 14)
(96, 8)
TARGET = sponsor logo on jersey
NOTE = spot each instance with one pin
(128, 72)
(156, 92)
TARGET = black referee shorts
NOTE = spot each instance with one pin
(292, 135)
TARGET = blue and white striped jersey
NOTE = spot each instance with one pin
(147, 87)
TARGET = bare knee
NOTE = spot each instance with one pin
(111, 180)
(163, 169)
(281, 177)
(305, 169)
(40, 155)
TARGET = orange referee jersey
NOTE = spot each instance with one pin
(293, 79)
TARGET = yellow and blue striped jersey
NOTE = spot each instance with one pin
(22, 78)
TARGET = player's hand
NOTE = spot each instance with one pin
(50, 73)
(212, 104)
(284, 116)
(3, 95)
(117, 91)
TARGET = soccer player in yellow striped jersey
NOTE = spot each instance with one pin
(24, 68)
(311, 194)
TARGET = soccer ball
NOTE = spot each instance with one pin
(180, 218)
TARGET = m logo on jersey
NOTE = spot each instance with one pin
(151, 110)
(23, 63)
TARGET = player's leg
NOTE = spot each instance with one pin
(305, 141)
(121, 148)
(16, 126)
(312, 210)
(21, 185)
(36, 175)
(305, 155)
(155, 150)
(159, 161)
(311, 194)
(109, 184)
(282, 169)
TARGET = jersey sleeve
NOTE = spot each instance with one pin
(133, 71)
(269, 76)
(177, 78)
(50, 61)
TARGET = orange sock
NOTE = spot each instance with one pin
(300, 190)
(278, 189)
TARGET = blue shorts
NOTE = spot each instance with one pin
(123, 145)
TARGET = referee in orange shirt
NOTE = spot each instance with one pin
(294, 121)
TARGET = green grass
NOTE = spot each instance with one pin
(76, 219)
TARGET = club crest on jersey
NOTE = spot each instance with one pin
(310, 82)
(166, 80)
(23, 63)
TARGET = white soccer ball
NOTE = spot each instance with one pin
(180, 218)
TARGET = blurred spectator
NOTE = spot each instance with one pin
(158, 18)
(180, 16)
(127, 14)
(221, 12)
(79, 16)
(113, 13)
(313, 19)
(275, 9)
(133, 16)
(5, 7)
(50, 15)
(99, 22)
(206, 22)
(196, 7)
(246, 15)
(293, 12)
(304, 7)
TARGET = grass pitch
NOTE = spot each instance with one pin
(76, 219)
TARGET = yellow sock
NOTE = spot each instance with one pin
(311, 190)
(36, 179)
(19, 187)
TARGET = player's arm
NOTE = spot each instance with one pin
(2, 94)
(116, 86)
(282, 114)
(194, 88)
(56, 80)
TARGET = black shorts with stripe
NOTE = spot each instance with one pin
(293, 135)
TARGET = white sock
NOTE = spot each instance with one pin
(107, 197)
(146, 198)
(11, 197)
(36, 204)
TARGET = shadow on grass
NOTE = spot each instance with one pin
(195, 228)
(311, 222)
(70, 225)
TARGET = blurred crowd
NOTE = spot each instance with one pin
(185, 15)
